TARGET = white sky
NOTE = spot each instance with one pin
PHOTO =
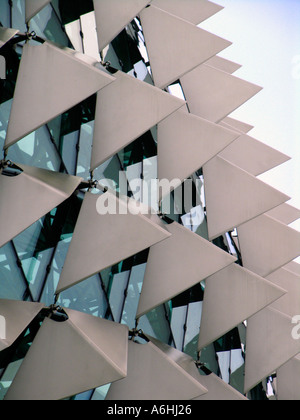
(266, 42)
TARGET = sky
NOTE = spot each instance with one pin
(266, 42)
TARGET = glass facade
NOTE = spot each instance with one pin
(31, 263)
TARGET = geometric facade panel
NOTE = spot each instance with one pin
(49, 76)
(288, 380)
(243, 196)
(184, 259)
(54, 366)
(165, 33)
(278, 244)
(102, 240)
(285, 213)
(213, 94)
(247, 292)
(6, 34)
(27, 197)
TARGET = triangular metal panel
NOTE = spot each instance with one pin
(33, 7)
(52, 78)
(112, 17)
(15, 317)
(247, 293)
(6, 34)
(252, 155)
(217, 389)
(288, 380)
(164, 34)
(294, 267)
(27, 197)
(194, 11)
(70, 357)
(285, 213)
(290, 303)
(152, 375)
(177, 264)
(125, 110)
(269, 345)
(102, 240)
(213, 94)
(234, 196)
(186, 142)
(267, 244)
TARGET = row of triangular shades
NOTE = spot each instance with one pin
(109, 357)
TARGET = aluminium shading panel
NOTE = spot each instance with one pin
(17, 315)
(247, 294)
(152, 375)
(288, 304)
(252, 155)
(269, 345)
(288, 380)
(112, 17)
(285, 213)
(217, 389)
(52, 78)
(70, 357)
(27, 197)
(186, 142)
(6, 34)
(194, 11)
(102, 240)
(213, 94)
(33, 7)
(223, 64)
(267, 244)
(175, 46)
(124, 111)
(242, 196)
(176, 264)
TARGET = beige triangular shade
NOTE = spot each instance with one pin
(186, 142)
(285, 213)
(27, 197)
(125, 110)
(233, 196)
(252, 155)
(288, 304)
(6, 34)
(176, 46)
(194, 11)
(234, 124)
(267, 244)
(33, 7)
(67, 358)
(247, 293)
(223, 64)
(112, 17)
(213, 94)
(102, 240)
(177, 264)
(51, 77)
(269, 344)
(152, 375)
(217, 389)
(288, 380)
(15, 316)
